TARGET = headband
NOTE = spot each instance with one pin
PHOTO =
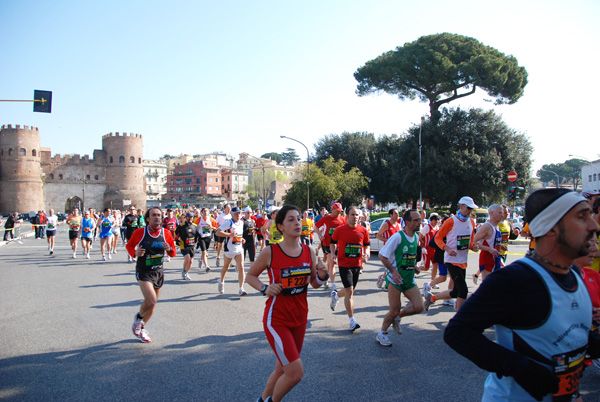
(549, 216)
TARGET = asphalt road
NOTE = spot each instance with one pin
(65, 331)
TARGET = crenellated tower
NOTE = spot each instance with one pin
(21, 186)
(124, 170)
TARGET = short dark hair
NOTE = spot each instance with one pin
(147, 215)
(596, 205)
(283, 212)
(407, 214)
(391, 211)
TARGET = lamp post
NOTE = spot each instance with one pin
(557, 176)
(307, 169)
(420, 165)
(263, 178)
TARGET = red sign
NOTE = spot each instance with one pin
(512, 176)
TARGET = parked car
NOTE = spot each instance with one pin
(376, 244)
(517, 223)
(61, 217)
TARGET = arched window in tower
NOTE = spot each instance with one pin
(60, 177)
(9, 151)
(22, 152)
(33, 152)
(139, 161)
(87, 177)
(111, 159)
(132, 159)
(52, 176)
(121, 159)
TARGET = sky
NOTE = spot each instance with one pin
(233, 76)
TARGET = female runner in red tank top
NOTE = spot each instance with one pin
(291, 267)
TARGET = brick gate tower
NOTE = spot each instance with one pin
(21, 187)
(124, 170)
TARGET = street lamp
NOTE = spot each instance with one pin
(263, 177)
(557, 176)
(307, 169)
(421, 165)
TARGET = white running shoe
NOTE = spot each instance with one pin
(109, 257)
(334, 300)
(137, 325)
(428, 301)
(74, 255)
(383, 339)
(242, 292)
(380, 281)
(426, 289)
(221, 287)
(185, 276)
(396, 325)
(475, 278)
(103, 257)
(87, 256)
(354, 326)
(144, 337)
(207, 269)
(199, 263)
(168, 259)
(218, 264)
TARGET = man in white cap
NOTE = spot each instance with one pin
(539, 306)
(458, 231)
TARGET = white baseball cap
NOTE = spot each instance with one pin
(468, 201)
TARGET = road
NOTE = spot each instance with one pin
(66, 336)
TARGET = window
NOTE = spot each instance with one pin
(51, 176)
(33, 153)
(132, 159)
(121, 159)
(87, 177)
(590, 178)
(9, 151)
(178, 181)
(140, 161)
(594, 176)
(179, 172)
(197, 180)
(111, 159)
(234, 178)
(205, 179)
(96, 177)
(188, 181)
(22, 152)
(172, 181)
(190, 172)
(209, 188)
(217, 179)
(60, 177)
(210, 179)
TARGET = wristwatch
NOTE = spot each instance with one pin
(263, 289)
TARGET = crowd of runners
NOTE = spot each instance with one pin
(530, 302)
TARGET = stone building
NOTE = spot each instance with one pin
(155, 173)
(32, 179)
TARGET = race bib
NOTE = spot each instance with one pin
(236, 239)
(189, 242)
(87, 230)
(154, 262)
(51, 226)
(568, 368)
(277, 235)
(462, 242)
(408, 261)
(352, 250)
(205, 230)
(305, 228)
(331, 230)
(106, 224)
(295, 280)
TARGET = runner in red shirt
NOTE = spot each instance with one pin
(170, 223)
(326, 226)
(352, 240)
(291, 267)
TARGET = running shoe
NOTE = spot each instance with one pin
(199, 263)
(87, 256)
(354, 326)
(218, 264)
(144, 337)
(109, 257)
(396, 325)
(185, 276)
(428, 301)
(207, 269)
(475, 278)
(383, 339)
(242, 292)
(446, 303)
(334, 300)
(326, 285)
(128, 258)
(221, 287)
(380, 281)
(103, 257)
(435, 287)
(168, 259)
(426, 289)
(51, 252)
(137, 325)
(74, 255)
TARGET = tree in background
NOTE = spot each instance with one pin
(567, 171)
(290, 157)
(329, 182)
(255, 188)
(273, 156)
(441, 68)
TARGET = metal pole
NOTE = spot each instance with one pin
(557, 176)
(307, 169)
(420, 166)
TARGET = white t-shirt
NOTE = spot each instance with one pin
(52, 222)
(222, 218)
(234, 244)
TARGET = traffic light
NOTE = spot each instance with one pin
(512, 194)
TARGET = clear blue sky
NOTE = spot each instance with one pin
(232, 76)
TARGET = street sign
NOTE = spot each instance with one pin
(512, 176)
(42, 101)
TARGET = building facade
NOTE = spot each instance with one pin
(590, 176)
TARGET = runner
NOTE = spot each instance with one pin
(458, 231)
(116, 217)
(51, 230)
(307, 229)
(149, 246)
(187, 235)
(170, 223)
(206, 225)
(105, 223)
(74, 222)
(539, 306)
(224, 216)
(387, 230)
(399, 256)
(489, 238)
(131, 224)
(326, 226)
(249, 234)
(429, 230)
(232, 231)
(353, 242)
(291, 266)
(272, 234)
(260, 221)
(87, 233)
